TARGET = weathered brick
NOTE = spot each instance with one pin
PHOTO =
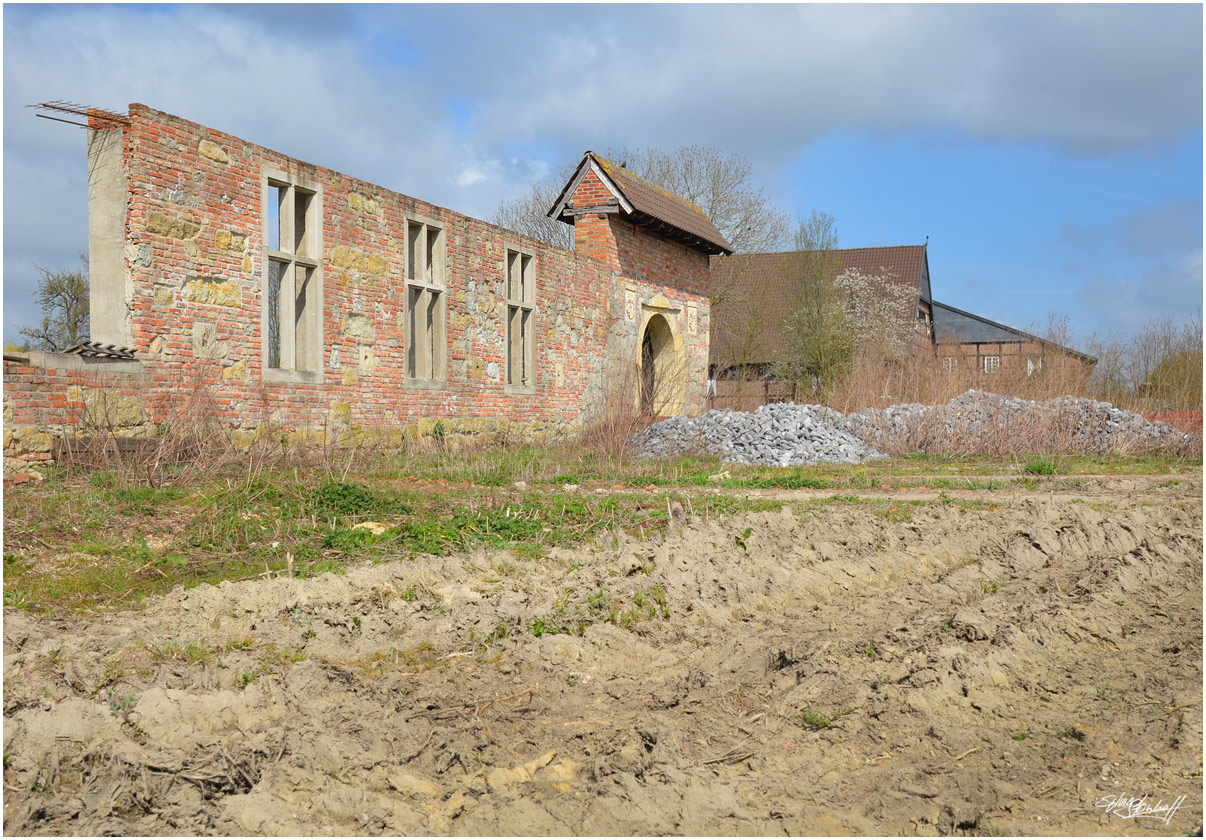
(180, 278)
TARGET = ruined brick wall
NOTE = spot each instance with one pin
(51, 391)
(194, 255)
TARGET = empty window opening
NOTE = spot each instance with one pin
(425, 300)
(275, 269)
(520, 286)
(276, 196)
(292, 317)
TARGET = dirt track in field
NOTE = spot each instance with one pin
(991, 669)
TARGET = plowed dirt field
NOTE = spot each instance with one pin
(1001, 662)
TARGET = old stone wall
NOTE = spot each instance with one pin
(192, 268)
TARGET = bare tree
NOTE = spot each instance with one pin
(63, 297)
(1157, 367)
(819, 332)
(528, 214)
(743, 338)
(717, 183)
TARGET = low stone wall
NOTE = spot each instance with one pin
(55, 403)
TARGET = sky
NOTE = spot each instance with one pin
(1052, 154)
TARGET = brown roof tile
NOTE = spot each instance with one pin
(654, 208)
(649, 199)
(752, 294)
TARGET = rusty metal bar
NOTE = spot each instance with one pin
(58, 119)
(101, 114)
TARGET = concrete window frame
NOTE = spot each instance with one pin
(291, 278)
(519, 295)
(992, 364)
(426, 269)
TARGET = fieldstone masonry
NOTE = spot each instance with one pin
(186, 289)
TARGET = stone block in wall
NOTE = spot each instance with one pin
(341, 413)
(106, 408)
(343, 256)
(212, 291)
(377, 264)
(164, 225)
(367, 360)
(229, 240)
(211, 150)
(365, 204)
(139, 254)
(205, 341)
(359, 327)
(236, 372)
(28, 440)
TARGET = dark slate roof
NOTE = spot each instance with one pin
(652, 207)
(748, 286)
(955, 326)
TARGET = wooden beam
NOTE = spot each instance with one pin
(607, 207)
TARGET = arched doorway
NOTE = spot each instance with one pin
(657, 367)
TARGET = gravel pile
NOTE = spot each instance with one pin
(780, 434)
(785, 434)
(1072, 424)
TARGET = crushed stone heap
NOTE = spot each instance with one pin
(975, 418)
(786, 434)
(779, 434)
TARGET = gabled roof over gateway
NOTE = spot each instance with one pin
(643, 203)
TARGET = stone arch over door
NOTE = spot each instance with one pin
(662, 367)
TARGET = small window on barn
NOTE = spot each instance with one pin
(1033, 366)
(520, 285)
(950, 363)
(291, 320)
(992, 364)
(425, 303)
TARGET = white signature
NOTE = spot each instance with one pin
(1137, 808)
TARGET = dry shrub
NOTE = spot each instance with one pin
(189, 435)
(876, 382)
(620, 418)
(629, 408)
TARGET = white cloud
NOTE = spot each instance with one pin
(1168, 289)
(364, 89)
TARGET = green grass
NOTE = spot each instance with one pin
(817, 720)
(1041, 466)
(82, 541)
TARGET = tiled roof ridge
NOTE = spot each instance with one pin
(608, 166)
(831, 250)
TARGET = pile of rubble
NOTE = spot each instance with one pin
(779, 434)
(785, 434)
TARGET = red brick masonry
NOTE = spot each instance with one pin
(1189, 422)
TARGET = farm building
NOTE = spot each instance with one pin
(753, 294)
